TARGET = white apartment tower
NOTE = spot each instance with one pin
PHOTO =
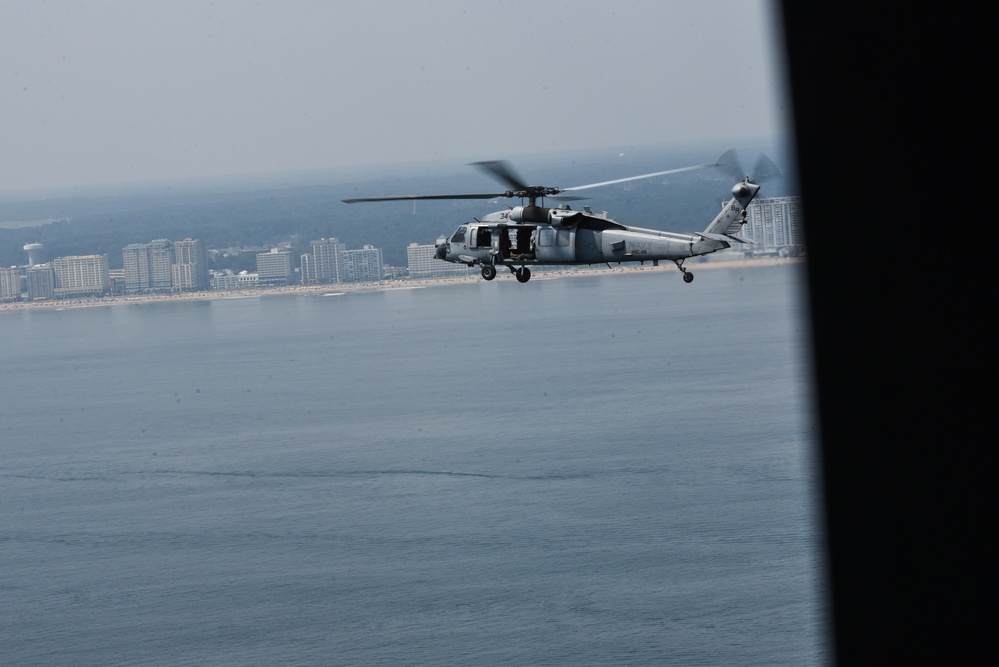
(364, 265)
(148, 266)
(190, 268)
(324, 262)
(40, 282)
(10, 284)
(81, 275)
(775, 223)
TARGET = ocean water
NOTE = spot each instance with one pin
(611, 469)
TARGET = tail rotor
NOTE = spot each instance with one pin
(763, 170)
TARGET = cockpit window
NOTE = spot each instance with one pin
(459, 236)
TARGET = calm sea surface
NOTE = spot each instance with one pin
(593, 470)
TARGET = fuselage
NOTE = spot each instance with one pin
(527, 235)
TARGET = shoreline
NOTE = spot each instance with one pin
(343, 288)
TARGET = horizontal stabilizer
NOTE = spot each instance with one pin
(723, 237)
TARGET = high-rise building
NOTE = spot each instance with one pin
(190, 267)
(364, 265)
(775, 223)
(324, 263)
(274, 267)
(135, 259)
(40, 282)
(81, 275)
(160, 263)
(149, 266)
(10, 284)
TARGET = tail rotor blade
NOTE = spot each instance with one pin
(729, 163)
(765, 169)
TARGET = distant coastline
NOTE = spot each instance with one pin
(406, 283)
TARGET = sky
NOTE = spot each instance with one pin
(132, 91)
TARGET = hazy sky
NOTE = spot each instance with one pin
(107, 91)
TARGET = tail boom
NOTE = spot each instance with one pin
(733, 216)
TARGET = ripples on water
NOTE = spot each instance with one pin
(599, 470)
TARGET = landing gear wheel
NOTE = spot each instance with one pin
(523, 274)
(687, 275)
(488, 271)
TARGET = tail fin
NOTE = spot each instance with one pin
(733, 216)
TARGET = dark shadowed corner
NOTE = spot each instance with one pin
(882, 118)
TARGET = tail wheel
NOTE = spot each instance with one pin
(687, 275)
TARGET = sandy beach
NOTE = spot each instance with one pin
(405, 283)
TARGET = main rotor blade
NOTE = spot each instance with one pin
(502, 171)
(635, 178)
(408, 197)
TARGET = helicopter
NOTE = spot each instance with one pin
(531, 234)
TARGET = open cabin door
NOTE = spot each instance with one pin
(510, 243)
(480, 237)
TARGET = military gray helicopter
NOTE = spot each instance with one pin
(529, 234)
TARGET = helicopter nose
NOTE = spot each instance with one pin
(441, 252)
